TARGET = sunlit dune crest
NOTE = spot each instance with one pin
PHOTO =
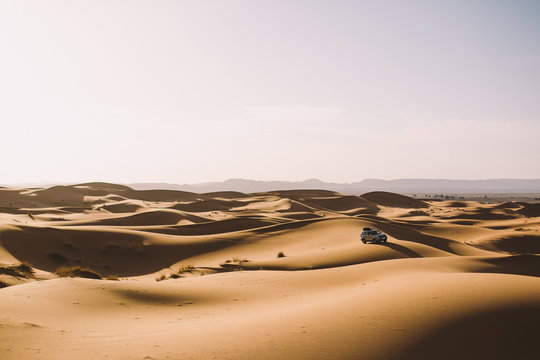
(99, 270)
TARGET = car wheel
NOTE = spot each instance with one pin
(363, 240)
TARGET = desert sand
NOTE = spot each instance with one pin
(102, 271)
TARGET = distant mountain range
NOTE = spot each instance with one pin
(405, 186)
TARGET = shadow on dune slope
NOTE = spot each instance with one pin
(394, 200)
(507, 332)
(218, 227)
(122, 253)
(343, 204)
(530, 210)
(528, 265)
(152, 217)
(512, 244)
(208, 205)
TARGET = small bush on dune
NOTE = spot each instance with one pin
(280, 254)
(3, 284)
(25, 268)
(186, 268)
(76, 271)
(179, 273)
(112, 277)
(8, 271)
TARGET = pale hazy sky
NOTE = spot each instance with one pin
(191, 91)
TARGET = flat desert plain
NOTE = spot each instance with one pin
(102, 271)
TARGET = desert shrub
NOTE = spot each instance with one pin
(186, 268)
(23, 270)
(280, 254)
(77, 271)
(178, 274)
(112, 277)
(8, 271)
(3, 284)
(161, 277)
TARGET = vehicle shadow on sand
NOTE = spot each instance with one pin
(402, 249)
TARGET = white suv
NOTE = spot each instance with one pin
(373, 235)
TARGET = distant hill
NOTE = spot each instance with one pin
(404, 186)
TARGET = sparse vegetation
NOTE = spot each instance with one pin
(179, 273)
(3, 284)
(77, 271)
(22, 270)
(112, 277)
(235, 259)
(280, 254)
(185, 268)
(229, 264)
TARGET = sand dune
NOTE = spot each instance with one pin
(282, 274)
(394, 200)
(208, 205)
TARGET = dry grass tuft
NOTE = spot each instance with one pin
(22, 270)
(112, 277)
(179, 273)
(185, 268)
(77, 271)
(280, 254)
